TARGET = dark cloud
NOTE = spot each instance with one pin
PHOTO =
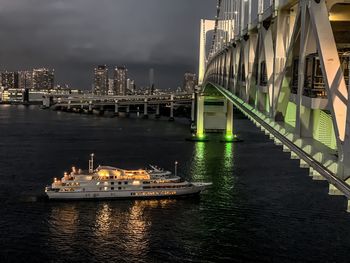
(73, 36)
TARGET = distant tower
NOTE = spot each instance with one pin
(9, 80)
(190, 81)
(101, 80)
(151, 80)
(43, 79)
(25, 79)
(120, 77)
(206, 26)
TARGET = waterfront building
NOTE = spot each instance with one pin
(13, 95)
(130, 86)
(101, 80)
(43, 79)
(111, 87)
(9, 80)
(190, 82)
(25, 79)
(120, 77)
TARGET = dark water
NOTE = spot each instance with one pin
(261, 208)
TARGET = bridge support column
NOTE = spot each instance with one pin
(145, 109)
(102, 111)
(171, 118)
(193, 105)
(69, 105)
(200, 117)
(116, 108)
(90, 107)
(229, 122)
(127, 114)
(157, 111)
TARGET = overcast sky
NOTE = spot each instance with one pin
(72, 36)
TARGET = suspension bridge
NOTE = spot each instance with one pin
(285, 65)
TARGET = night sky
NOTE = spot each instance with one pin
(72, 36)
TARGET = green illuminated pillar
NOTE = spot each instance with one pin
(229, 121)
(200, 116)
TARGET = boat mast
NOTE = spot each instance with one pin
(176, 168)
(91, 163)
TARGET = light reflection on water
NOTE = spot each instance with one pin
(251, 212)
(198, 165)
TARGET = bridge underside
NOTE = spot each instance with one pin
(214, 113)
(286, 66)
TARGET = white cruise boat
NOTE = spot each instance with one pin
(106, 182)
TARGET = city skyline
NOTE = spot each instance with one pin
(74, 49)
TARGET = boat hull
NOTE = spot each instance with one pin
(126, 194)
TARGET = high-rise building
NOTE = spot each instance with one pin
(120, 76)
(130, 86)
(190, 81)
(43, 79)
(25, 79)
(9, 80)
(111, 87)
(101, 80)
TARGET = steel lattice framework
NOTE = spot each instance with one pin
(288, 60)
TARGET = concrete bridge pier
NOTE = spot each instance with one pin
(171, 118)
(145, 109)
(47, 102)
(90, 107)
(200, 117)
(127, 114)
(101, 111)
(157, 111)
(69, 105)
(193, 105)
(229, 122)
(116, 108)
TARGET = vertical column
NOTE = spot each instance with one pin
(127, 111)
(102, 111)
(158, 111)
(145, 109)
(193, 105)
(116, 108)
(171, 108)
(200, 117)
(90, 107)
(69, 105)
(229, 121)
(301, 67)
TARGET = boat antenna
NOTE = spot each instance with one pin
(176, 163)
(91, 163)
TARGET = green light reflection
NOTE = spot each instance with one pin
(198, 168)
(228, 156)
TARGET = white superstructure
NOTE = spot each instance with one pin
(106, 182)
